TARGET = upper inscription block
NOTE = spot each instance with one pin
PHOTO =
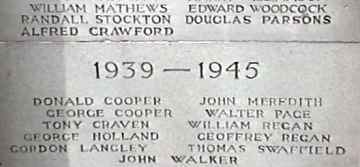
(180, 20)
